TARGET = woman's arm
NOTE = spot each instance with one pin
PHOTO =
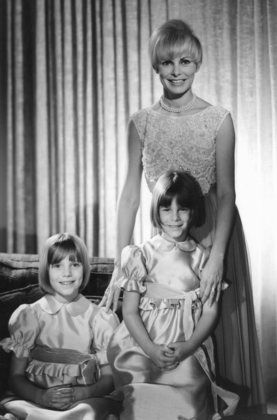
(127, 208)
(212, 273)
(159, 354)
(55, 398)
(202, 331)
(129, 199)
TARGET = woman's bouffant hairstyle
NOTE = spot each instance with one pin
(55, 249)
(186, 189)
(172, 38)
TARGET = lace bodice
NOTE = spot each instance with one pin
(180, 143)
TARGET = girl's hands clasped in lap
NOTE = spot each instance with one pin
(61, 398)
(163, 357)
(58, 398)
(180, 351)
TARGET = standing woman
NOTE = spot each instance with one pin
(184, 132)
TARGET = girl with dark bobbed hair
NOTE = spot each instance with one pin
(186, 190)
(165, 336)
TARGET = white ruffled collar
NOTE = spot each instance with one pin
(52, 306)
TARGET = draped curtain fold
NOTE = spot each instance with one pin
(72, 72)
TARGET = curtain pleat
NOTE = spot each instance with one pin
(71, 74)
(44, 177)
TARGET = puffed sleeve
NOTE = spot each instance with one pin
(103, 326)
(133, 269)
(23, 328)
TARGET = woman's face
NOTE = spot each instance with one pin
(176, 75)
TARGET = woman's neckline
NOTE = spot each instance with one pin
(178, 116)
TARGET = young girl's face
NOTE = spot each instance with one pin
(175, 220)
(65, 279)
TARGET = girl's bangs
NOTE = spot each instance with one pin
(61, 250)
(182, 198)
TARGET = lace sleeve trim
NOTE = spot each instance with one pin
(139, 119)
(225, 112)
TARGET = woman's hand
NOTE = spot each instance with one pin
(112, 293)
(211, 279)
(58, 398)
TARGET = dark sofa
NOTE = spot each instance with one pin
(19, 284)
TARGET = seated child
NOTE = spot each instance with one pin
(164, 339)
(59, 367)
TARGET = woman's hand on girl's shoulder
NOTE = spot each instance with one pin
(211, 279)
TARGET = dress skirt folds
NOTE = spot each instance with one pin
(148, 391)
(237, 349)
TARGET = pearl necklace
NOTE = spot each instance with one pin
(186, 107)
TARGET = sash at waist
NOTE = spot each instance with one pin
(83, 365)
(160, 291)
(57, 355)
(159, 297)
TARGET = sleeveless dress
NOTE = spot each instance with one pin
(66, 345)
(166, 274)
(188, 143)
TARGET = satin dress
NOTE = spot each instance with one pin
(66, 345)
(188, 143)
(166, 275)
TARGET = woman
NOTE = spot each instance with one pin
(184, 132)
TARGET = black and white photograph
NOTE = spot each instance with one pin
(138, 209)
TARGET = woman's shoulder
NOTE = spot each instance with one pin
(214, 112)
(203, 106)
(142, 113)
(211, 116)
(139, 119)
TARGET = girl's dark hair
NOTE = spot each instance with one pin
(56, 248)
(186, 189)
